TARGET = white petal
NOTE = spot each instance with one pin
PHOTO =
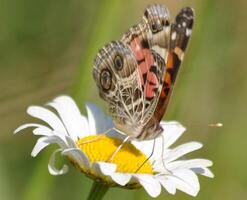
(182, 150)
(45, 131)
(70, 115)
(98, 121)
(146, 147)
(104, 168)
(51, 166)
(150, 184)
(167, 184)
(186, 181)
(85, 124)
(39, 129)
(172, 131)
(47, 116)
(183, 186)
(24, 126)
(189, 176)
(39, 146)
(61, 140)
(58, 139)
(161, 167)
(70, 142)
(203, 171)
(78, 156)
(121, 178)
(188, 164)
(114, 133)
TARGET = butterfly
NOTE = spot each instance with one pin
(136, 74)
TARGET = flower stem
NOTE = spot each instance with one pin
(97, 192)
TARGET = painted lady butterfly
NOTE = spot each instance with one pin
(136, 74)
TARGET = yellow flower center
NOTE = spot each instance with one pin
(128, 159)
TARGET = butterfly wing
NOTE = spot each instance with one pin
(115, 72)
(136, 75)
(179, 37)
(149, 42)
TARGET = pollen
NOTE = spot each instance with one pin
(128, 159)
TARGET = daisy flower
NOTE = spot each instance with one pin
(83, 140)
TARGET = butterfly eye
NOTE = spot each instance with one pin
(118, 62)
(105, 79)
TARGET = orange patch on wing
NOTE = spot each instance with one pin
(167, 76)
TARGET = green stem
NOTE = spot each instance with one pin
(97, 191)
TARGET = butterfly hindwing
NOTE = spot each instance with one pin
(116, 74)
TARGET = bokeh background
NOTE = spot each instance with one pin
(47, 48)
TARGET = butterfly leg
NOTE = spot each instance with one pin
(147, 158)
(166, 171)
(98, 138)
(118, 148)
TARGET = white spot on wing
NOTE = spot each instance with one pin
(182, 56)
(179, 53)
(188, 32)
(174, 35)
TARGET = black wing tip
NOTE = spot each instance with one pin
(186, 15)
(188, 12)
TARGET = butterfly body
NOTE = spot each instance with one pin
(136, 74)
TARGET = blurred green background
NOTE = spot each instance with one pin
(47, 48)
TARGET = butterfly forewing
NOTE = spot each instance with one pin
(179, 36)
